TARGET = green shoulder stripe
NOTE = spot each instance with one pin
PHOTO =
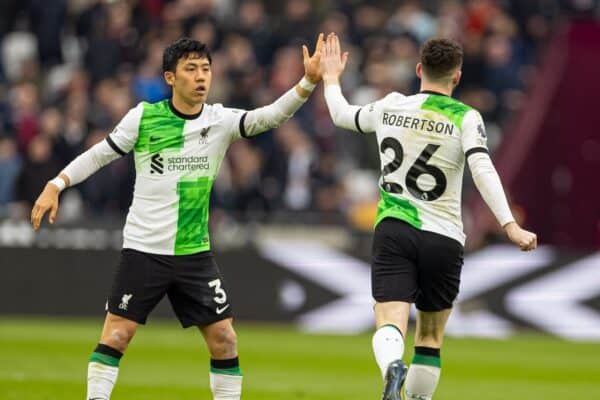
(453, 109)
(159, 129)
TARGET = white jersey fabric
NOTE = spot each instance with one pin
(423, 142)
(177, 158)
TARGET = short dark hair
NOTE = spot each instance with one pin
(440, 57)
(183, 48)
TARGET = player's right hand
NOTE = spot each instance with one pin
(524, 239)
(48, 200)
(333, 62)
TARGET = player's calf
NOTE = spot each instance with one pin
(424, 372)
(103, 366)
(225, 373)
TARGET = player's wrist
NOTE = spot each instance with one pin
(57, 183)
(307, 83)
(331, 79)
(510, 225)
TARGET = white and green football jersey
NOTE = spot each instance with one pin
(423, 141)
(177, 158)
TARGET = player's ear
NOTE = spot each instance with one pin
(169, 77)
(419, 70)
(456, 78)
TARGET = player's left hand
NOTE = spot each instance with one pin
(312, 64)
(524, 239)
(47, 201)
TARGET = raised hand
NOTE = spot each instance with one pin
(524, 239)
(312, 65)
(333, 61)
(47, 201)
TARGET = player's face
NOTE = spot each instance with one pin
(191, 79)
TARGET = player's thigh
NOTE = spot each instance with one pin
(140, 282)
(199, 294)
(439, 268)
(392, 313)
(430, 328)
(393, 267)
(117, 331)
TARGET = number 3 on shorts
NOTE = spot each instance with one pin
(221, 296)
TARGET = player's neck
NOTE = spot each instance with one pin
(432, 87)
(182, 107)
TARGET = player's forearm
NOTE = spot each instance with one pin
(488, 183)
(342, 113)
(275, 114)
(88, 162)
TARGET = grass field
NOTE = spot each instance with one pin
(46, 359)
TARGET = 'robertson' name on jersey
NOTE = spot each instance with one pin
(176, 160)
(423, 142)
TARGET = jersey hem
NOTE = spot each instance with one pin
(165, 252)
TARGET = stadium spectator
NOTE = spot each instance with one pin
(10, 164)
(108, 60)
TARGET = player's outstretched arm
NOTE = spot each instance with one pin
(343, 115)
(117, 144)
(77, 171)
(275, 114)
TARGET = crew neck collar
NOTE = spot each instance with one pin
(182, 115)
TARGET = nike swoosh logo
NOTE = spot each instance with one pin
(220, 310)
(152, 139)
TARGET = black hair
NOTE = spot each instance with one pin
(440, 57)
(183, 48)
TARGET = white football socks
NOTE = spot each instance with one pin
(226, 387)
(101, 380)
(423, 374)
(388, 346)
(103, 370)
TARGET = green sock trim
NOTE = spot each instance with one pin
(235, 371)
(427, 360)
(104, 359)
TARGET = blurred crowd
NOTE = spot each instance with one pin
(70, 70)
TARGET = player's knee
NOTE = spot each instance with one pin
(118, 338)
(224, 342)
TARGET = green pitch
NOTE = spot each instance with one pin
(47, 359)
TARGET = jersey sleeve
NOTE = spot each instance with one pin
(367, 117)
(487, 181)
(117, 144)
(231, 120)
(474, 137)
(123, 138)
(361, 119)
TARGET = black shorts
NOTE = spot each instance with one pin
(415, 266)
(193, 284)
